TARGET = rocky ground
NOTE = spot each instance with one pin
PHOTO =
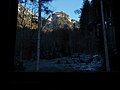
(84, 62)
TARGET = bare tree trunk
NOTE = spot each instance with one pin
(105, 39)
(38, 39)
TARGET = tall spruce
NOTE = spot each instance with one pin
(85, 15)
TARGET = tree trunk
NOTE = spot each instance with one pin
(105, 39)
(38, 39)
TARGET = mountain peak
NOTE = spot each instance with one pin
(59, 20)
(55, 21)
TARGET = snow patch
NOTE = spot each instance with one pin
(58, 15)
(50, 19)
(69, 19)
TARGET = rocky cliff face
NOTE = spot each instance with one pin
(60, 20)
(26, 18)
(55, 21)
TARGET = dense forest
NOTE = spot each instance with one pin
(65, 40)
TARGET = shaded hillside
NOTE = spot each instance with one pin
(60, 36)
(26, 34)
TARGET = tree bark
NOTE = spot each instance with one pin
(38, 39)
(105, 39)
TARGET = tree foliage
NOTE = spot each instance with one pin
(85, 15)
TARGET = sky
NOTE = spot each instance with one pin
(68, 6)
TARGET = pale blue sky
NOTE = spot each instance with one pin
(68, 6)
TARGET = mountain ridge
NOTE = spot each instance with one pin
(54, 21)
(60, 20)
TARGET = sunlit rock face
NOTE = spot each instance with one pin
(55, 21)
(26, 18)
(60, 20)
